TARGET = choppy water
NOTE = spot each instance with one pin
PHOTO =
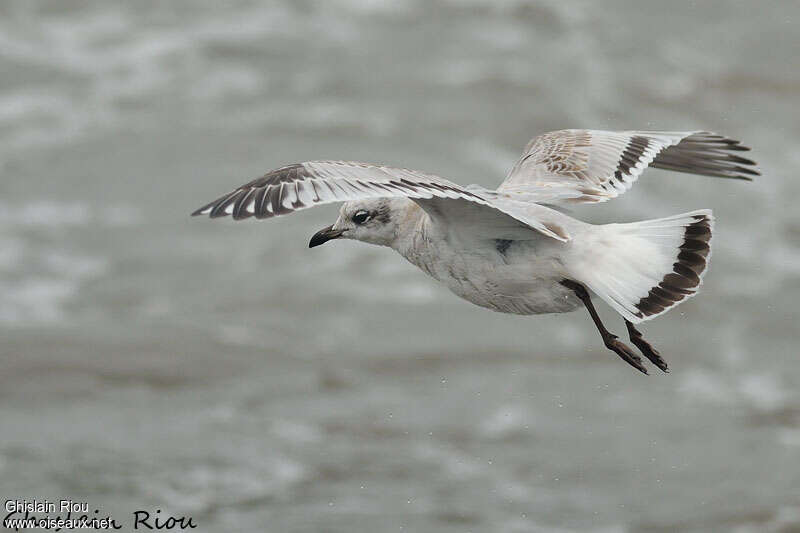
(224, 371)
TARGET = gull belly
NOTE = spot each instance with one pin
(508, 276)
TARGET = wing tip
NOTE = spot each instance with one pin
(712, 137)
(206, 209)
(710, 154)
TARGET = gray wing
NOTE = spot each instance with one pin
(587, 166)
(469, 210)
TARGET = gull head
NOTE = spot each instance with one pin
(373, 220)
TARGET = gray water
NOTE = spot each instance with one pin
(223, 371)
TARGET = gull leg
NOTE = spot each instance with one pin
(645, 347)
(609, 339)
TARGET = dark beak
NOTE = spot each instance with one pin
(324, 235)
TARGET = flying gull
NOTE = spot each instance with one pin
(509, 249)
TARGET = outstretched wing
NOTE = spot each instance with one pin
(299, 186)
(586, 166)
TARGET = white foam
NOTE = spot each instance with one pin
(700, 385)
(759, 392)
(38, 300)
(44, 213)
(61, 214)
(764, 392)
(74, 266)
(43, 272)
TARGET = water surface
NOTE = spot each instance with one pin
(224, 371)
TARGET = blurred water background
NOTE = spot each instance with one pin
(224, 371)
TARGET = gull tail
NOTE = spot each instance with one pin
(643, 269)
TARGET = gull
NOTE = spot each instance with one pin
(514, 249)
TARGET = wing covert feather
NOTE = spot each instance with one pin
(303, 185)
(588, 166)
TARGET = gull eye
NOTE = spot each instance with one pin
(361, 216)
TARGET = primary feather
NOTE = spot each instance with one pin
(299, 186)
(589, 166)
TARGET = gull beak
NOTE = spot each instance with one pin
(324, 235)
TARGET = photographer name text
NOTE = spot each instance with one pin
(57, 515)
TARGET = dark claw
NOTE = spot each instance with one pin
(625, 353)
(646, 348)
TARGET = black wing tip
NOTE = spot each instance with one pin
(708, 153)
(713, 137)
(228, 205)
(203, 210)
(751, 172)
(729, 143)
(744, 173)
(285, 174)
(215, 209)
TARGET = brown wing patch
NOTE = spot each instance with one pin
(557, 151)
